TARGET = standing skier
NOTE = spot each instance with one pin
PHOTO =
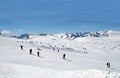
(21, 47)
(38, 53)
(58, 50)
(108, 64)
(30, 51)
(64, 55)
(53, 49)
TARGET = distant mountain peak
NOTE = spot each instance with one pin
(75, 35)
(24, 36)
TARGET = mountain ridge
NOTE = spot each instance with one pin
(108, 33)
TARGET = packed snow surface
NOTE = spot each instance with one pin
(86, 57)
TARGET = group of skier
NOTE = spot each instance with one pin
(57, 50)
(64, 55)
(30, 51)
(38, 53)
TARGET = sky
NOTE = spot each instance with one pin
(49, 16)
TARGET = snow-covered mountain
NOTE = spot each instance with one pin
(86, 57)
(90, 34)
(24, 36)
(109, 33)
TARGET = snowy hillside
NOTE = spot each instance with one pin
(86, 57)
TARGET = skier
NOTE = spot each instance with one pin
(38, 53)
(53, 49)
(58, 50)
(30, 51)
(108, 65)
(21, 47)
(84, 48)
(64, 56)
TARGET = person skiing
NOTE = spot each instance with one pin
(30, 51)
(53, 49)
(64, 55)
(21, 47)
(108, 64)
(38, 53)
(58, 50)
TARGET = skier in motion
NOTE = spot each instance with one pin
(58, 50)
(38, 53)
(64, 56)
(108, 64)
(21, 47)
(30, 51)
(53, 49)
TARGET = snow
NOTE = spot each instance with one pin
(86, 57)
(23, 71)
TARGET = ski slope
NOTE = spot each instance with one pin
(86, 57)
